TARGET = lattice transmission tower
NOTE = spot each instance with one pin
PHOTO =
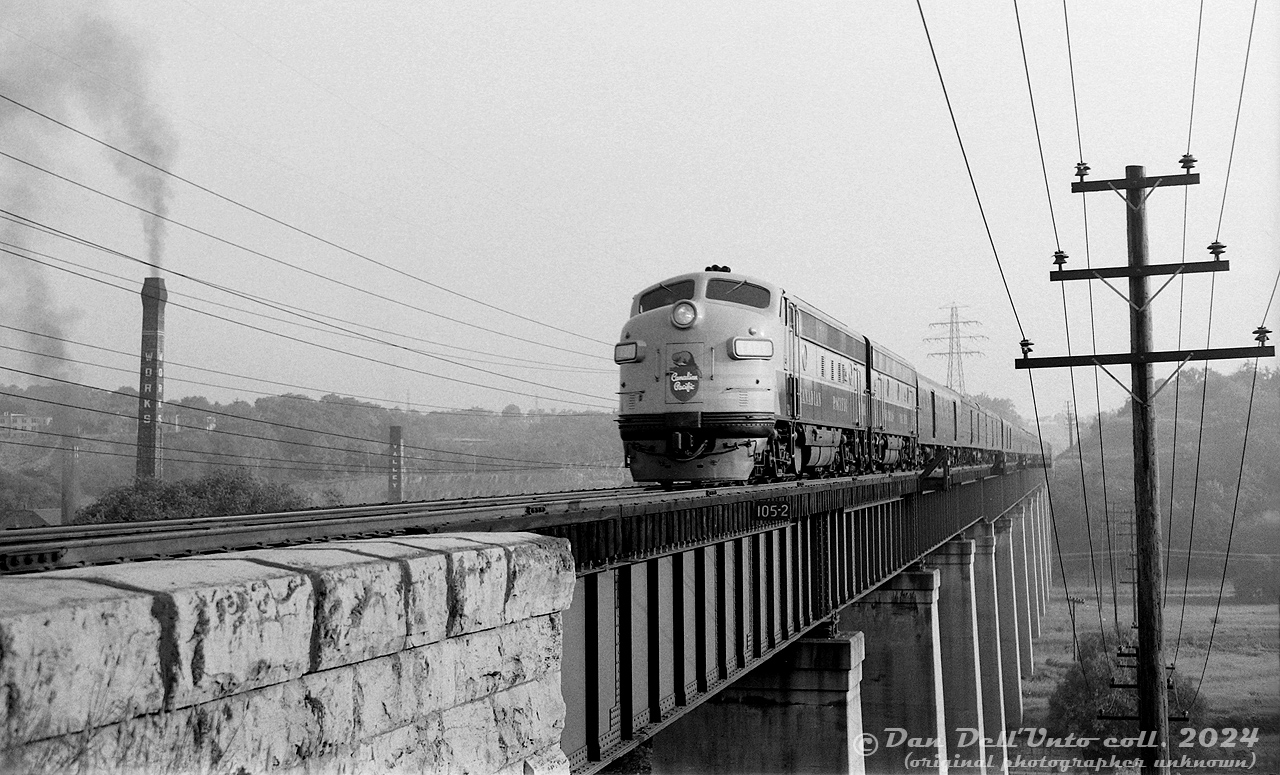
(956, 337)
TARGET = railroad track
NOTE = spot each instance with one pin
(29, 550)
(69, 546)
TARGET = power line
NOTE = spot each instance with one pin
(1025, 343)
(296, 311)
(969, 169)
(1035, 121)
(285, 426)
(453, 411)
(313, 466)
(336, 350)
(1235, 130)
(173, 460)
(1231, 530)
(320, 465)
(1081, 170)
(275, 260)
(279, 222)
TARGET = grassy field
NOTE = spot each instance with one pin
(1241, 679)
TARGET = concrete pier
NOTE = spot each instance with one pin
(1007, 598)
(958, 633)
(799, 712)
(1026, 588)
(987, 610)
(902, 692)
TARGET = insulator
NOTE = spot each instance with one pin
(1026, 345)
(1217, 249)
(1188, 161)
(1059, 258)
(1082, 169)
(1260, 334)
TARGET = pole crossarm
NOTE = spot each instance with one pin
(1140, 182)
(1190, 267)
(1161, 356)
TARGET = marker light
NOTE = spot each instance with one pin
(628, 352)
(683, 314)
(752, 348)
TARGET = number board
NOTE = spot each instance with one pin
(772, 510)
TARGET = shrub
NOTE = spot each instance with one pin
(218, 494)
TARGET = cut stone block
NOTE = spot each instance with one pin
(539, 573)
(227, 625)
(74, 655)
(359, 602)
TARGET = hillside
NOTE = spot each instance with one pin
(1198, 475)
(333, 449)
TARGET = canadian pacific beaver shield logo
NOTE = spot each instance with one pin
(684, 377)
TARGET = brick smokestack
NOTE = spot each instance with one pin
(151, 381)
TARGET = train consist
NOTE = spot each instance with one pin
(725, 378)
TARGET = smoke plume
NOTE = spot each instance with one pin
(127, 119)
(68, 60)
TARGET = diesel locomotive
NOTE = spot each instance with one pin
(726, 378)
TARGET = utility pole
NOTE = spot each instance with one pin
(955, 340)
(1153, 694)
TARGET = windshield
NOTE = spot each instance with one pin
(738, 292)
(665, 294)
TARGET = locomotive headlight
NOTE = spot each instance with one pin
(628, 352)
(683, 314)
(744, 348)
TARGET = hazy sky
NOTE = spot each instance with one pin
(551, 159)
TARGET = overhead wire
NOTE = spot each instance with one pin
(1244, 72)
(453, 411)
(315, 465)
(969, 170)
(1093, 331)
(311, 466)
(291, 227)
(172, 460)
(996, 254)
(285, 426)
(301, 312)
(1044, 170)
(1231, 531)
(1182, 284)
(220, 431)
(334, 349)
(251, 251)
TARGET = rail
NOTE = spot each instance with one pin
(602, 524)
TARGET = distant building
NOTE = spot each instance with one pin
(183, 422)
(13, 422)
(19, 518)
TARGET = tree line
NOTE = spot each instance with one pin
(1203, 486)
